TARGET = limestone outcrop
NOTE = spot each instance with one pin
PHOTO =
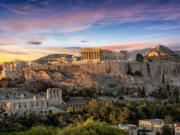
(111, 76)
(161, 53)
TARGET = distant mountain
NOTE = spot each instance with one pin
(132, 54)
(73, 48)
(69, 51)
(160, 50)
(52, 57)
(177, 52)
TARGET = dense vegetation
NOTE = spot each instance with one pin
(112, 113)
(89, 127)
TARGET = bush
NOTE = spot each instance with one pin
(138, 73)
(139, 57)
(39, 130)
(89, 127)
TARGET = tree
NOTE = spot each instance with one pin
(166, 131)
(6, 82)
(176, 93)
(138, 73)
(91, 127)
(139, 57)
(1, 111)
(163, 79)
(162, 94)
(106, 110)
(93, 108)
(129, 72)
(123, 115)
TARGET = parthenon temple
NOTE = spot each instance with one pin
(99, 54)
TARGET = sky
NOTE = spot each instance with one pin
(30, 29)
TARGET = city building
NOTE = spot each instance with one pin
(177, 128)
(54, 96)
(76, 102)
(11, 69)
(154, 125)
(13, 93)
(20, 105)
(131, 129)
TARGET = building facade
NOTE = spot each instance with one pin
(154, 125)
(11, 69)
(98, 54)
(13, 93)
(131, 129)
(54, 96)
(19, 106)
(177, 128)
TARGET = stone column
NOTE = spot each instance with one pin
(86, 55)
(97, 55)
(82, 55)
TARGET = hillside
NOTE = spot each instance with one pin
(52, 57)
(160, 50)
(132, 54)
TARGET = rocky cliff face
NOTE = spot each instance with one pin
(161, 53)
(109, 76)
(132, 54)
(52, 57)
(160, 50)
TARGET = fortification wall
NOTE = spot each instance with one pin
(152, 69)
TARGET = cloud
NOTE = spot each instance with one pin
(13, 52)
(78, 18)
(163, 27)
(24, 9)
(8, 43)
(34, 42)
(4, 44)
(9, 40)
(19, 9)
(84, 41)
(67, 22)
(130, 46)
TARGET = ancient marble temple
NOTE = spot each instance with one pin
(98, 54)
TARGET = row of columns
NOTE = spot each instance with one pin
(106, 56)
(98, 55)
(90, 55)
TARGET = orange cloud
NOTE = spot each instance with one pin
(9, 44)
(67, 22)
(130, 46)
(29, 54)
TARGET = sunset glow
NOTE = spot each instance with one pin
(30, 29)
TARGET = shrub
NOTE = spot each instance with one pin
(138, 73)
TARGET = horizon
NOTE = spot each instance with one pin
(32, 29)
(77, 53)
